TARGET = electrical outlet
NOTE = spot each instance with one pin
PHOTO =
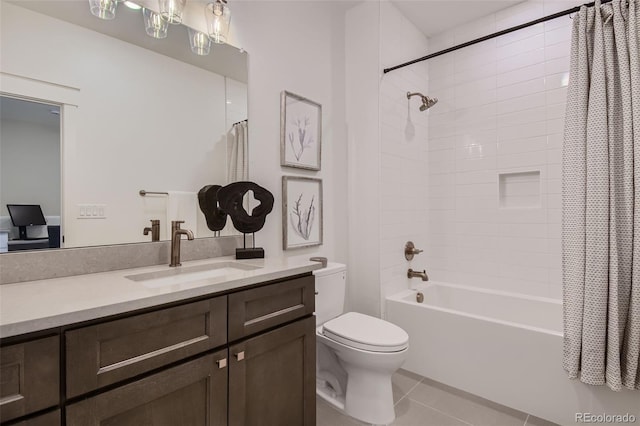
(92, 211)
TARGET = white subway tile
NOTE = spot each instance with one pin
(520, 60)
(520, 89)
(520, 34)
(521, 74)
(527, 159)
(526, 216)
(521, 131)
(558, 65)
(477, 190)
(476, 177)
(557, 35)
(532, 115)
(519, 146)
(556, 81)
(560, 50)
(475, 164)
(522, 103)
(526, 45)
(475, 151)
(555, 126)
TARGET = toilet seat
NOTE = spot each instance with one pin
(365, 332)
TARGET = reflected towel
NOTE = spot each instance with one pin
(182, 205)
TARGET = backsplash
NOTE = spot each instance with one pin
(39, 265)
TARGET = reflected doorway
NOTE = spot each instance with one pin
(30, 172)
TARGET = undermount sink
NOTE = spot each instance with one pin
(186, 274)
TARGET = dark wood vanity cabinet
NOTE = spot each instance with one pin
(29, 377)
(242, 359)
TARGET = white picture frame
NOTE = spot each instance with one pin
(301, 212)
(300, 132)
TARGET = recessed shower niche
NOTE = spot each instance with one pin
(519, 190)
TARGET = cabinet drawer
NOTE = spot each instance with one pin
(107, 353)
(258, 309)
(29, 377)
(193, 393)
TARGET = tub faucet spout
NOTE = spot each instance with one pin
(417, 274)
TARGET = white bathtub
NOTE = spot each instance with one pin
(504, 347)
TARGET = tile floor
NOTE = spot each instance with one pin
(423, 402)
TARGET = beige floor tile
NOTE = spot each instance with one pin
(537, 421)
(403, 381)
(466, 407)
(329, 416)
(412, 413)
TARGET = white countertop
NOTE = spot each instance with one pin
(39, 305)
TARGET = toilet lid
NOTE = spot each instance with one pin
(367, 333)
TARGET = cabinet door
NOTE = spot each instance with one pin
(272, 377)
(29, 377)
(193, 393)
(113, 351)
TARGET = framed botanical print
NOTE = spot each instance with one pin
(300, 132)
(301, 212)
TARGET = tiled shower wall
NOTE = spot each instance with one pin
(403, 149)
(495, 153)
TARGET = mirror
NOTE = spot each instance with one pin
(136, 113)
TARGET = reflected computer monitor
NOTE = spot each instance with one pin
(23, 215)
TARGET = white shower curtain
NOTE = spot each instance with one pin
(601, 198)
(237, 161)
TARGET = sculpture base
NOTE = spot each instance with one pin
(250, 253)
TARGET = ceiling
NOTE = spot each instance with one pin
(434, 17)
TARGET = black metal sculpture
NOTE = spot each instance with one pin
(208, 201)
(216, 202)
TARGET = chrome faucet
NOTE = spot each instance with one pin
(176, 236)
(417, 274)
(154, 229)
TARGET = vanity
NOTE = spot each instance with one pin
(215, 342)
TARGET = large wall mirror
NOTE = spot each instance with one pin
(95, 111)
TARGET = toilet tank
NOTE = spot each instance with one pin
(331, 285)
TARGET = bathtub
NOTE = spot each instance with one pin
(501, 346)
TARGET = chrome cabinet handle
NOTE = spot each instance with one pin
(222, 363)
(239, 356)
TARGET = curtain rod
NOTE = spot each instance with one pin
(494, 35)
(241, 121)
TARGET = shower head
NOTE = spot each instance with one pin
(427, 102)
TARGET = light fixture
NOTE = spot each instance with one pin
(103, 9)
(200, 42)
(154, 25)
(171, 10)
(218, 17)
(132, 5)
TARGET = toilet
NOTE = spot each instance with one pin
(356, 354)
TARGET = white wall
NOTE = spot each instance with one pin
(30, 165)
(363, 80)
(501, 110)
(298, 47)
